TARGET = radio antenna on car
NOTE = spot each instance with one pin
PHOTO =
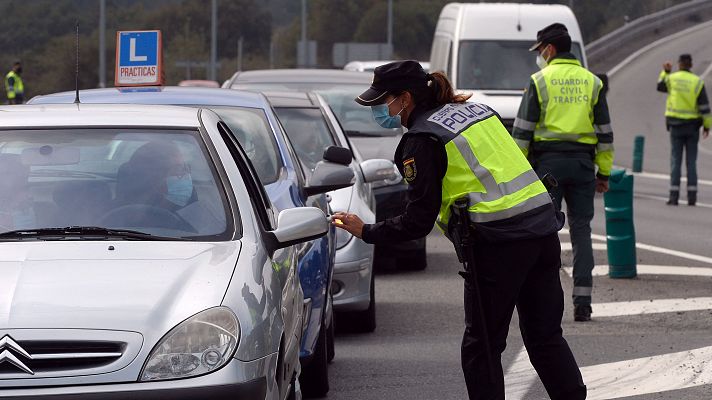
(76, 69)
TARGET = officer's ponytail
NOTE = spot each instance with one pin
(442, 91)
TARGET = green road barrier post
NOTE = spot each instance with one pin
(620, 230)
(638, 148)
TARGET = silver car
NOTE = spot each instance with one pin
(140, 258)
(313, 127)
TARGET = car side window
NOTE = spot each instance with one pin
(262, 205)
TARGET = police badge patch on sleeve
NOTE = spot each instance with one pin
(409, 169)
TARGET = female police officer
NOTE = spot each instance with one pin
(455, 150)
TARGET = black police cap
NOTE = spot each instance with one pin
(552, 34)
(391, 77)
(686, 58)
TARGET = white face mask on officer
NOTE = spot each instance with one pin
(541, 61)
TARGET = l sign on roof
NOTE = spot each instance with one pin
(139, 58)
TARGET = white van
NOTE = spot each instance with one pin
(483, 48)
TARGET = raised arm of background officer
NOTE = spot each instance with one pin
(426, 160)
(604, 133)
(527, 118)
(703, 106)
(663, 77)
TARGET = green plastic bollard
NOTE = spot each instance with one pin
(620, 231)
(638, 148)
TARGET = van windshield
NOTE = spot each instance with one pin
(498, 64)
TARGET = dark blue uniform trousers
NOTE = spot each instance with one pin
(525, 274)
(576, 175)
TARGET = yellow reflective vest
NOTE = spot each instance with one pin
(683, 89)
(17, 88)
(567, 95)
(484, 164)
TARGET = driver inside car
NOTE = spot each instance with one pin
(157, 179)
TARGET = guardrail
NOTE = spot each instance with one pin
(608, 50)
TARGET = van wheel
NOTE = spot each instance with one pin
(315, 376)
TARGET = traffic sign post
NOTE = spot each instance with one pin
(139, 58)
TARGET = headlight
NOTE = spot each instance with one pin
(198, 345)
(342, 238)
(389, 182)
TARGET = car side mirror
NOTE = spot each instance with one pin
(328, 176)
(298, 225)
(378, 169)
(339, 155)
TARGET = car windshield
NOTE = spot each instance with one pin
(308, 131)
(498, 64)
(156, 181)
(252, 130)
(355, 119)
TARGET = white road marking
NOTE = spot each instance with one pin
(661, 198)
(655, 374)
(519, 376)
(654, 175)
(652, 306)
(636, 55)
(566, 246)
(666, 372)
(649, 247)
(602, 270)
(707, 71)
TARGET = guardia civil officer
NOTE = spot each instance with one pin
(686, 110)
(564, 127)
(455, 150)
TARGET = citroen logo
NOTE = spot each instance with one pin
(7, 344)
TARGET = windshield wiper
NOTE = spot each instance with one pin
(82, 231)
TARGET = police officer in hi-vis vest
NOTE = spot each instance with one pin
(14, 87)
(457, 151)
(686, 110)
(564, 127)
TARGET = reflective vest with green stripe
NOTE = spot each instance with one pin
(16, 88)
(683, 89)
(567, 93)
(483, 164)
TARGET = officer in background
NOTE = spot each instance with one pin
(14, 88)
(686, 110)
(455, 150)
(564, 127)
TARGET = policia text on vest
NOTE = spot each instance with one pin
(686, 109)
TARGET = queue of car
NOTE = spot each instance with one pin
(190, 250)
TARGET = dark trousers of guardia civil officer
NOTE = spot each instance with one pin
(456, 150)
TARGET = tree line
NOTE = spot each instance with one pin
(40, 33)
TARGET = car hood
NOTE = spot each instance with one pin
(138, 286)
(376, 146)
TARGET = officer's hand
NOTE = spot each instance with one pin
(705, 133)
(667, 66)
(601, 185)
(348, 222)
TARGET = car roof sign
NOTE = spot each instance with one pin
(139, 58)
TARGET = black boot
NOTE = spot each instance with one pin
(674, 196)
(691, 197)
